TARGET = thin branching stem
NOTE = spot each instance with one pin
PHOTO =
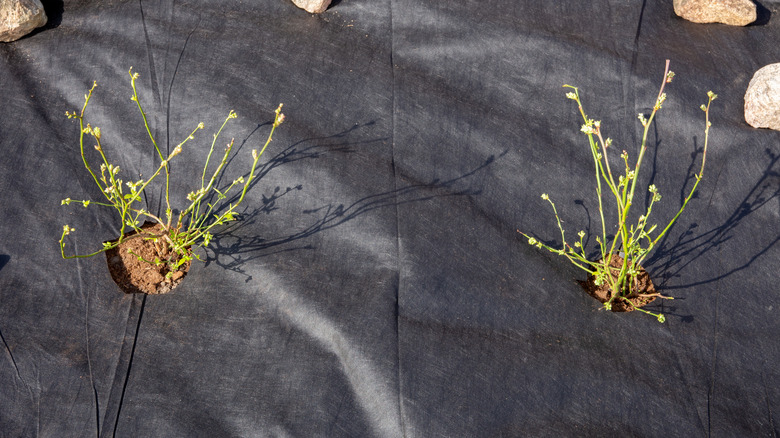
(173, 248)
(631, 243)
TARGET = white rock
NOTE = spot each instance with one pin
(762, 98)
(313, 6)
(20, 17)
(733, 12)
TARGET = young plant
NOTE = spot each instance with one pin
(192, 225)
(633, 241)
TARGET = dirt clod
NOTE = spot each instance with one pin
(137, 276)
(638, 296)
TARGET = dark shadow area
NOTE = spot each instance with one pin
(337, 143)
(4, 259)
(242, 249)
(763, 15)
(671, 257)
(54, 10)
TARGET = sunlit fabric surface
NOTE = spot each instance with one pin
(376, 284)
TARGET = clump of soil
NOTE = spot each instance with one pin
(137, 276)
(641, 295)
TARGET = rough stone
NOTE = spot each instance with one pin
(20, 17)
(762, 99)
(731, 12)
(313, 6)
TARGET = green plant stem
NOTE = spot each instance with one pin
(698, 177)
(656, 107)
(133, 77)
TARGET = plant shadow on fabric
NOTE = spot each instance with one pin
(231, 249)
(673, 256)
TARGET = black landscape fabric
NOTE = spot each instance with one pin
(376, 284)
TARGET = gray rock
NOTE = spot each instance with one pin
(313, 6)
(20, 17)
(732, 12)
(762, 99)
